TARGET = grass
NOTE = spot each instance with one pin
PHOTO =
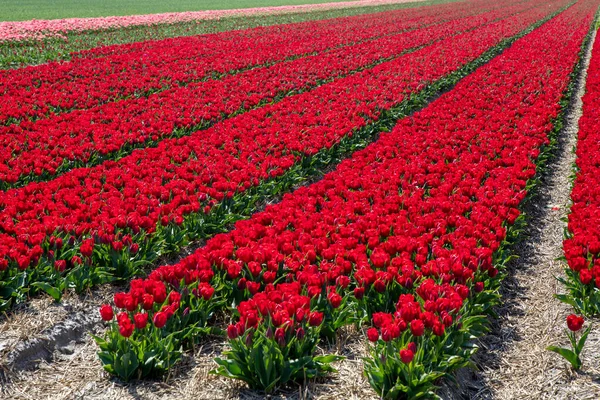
(21, 10)
(18, 54)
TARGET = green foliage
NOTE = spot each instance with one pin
(152, 351)
(264, 364)
(435, 357)
(585, 299)
(573, 356)
(142, 356)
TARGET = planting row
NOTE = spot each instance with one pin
(582, 245)
(83, 83)
(42, 149)
(118, 215)
(407, 234)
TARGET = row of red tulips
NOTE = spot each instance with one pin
(42, 149)
(121, 214)
(82, 83)
(408, 233)
(582, 244)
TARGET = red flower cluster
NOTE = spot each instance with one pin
(41, 149)
(148, 300)
(582, 249)
(283, 305)
(149, 66)
(434, 312)
(182, 176)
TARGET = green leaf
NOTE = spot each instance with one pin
(126, 365)
(582, 340)
(228, 368)
(51, 290)
(99, 341)
(567, 355)
(286, 373)
(566, 299)
(329, 358)
(6, 291)
(106, 357)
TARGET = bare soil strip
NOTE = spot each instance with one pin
(77, 374)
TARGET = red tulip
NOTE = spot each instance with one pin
(574, 322)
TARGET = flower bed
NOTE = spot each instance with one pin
(407, 234)
(42, 149)
(120, 215)
(41, 90)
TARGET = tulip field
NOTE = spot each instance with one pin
(274, 190)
